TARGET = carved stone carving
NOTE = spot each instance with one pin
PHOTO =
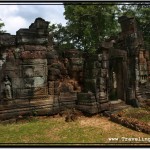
(7, 89)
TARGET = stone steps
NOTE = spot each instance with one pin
(43, 106)
(118, 105)
(18, 107)
(26, 103)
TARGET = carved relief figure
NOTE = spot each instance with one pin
(7, 89)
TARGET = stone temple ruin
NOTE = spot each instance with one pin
(35, 78)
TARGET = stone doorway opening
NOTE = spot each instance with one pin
(117, 79)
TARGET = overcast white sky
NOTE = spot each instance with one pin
(21, 16)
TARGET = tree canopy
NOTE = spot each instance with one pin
(90, 24)
(1, 26)
(87, 26)
(143, 15)
(61, 36)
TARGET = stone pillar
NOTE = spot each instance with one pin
(142, 67)
(95, 97)
(137, 77)
(131, 79)
(103, 78)
(146, 54)
(148, 68)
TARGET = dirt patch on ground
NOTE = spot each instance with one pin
(107, 126)
(53, 136)
(97, 121)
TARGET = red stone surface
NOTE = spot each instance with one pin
(33, 54)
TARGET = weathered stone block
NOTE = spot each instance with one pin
(88, 108)
(28, 71)
(40, 71)
(33, 55)
(105, 106)
(51, 91)
(32, 92)
(51, 84)
(67, 97)
(67, 103)
(34, 82)
(76, 61)
(11, 65)
(90, 85)
(52, 55)
(56, 84)
(98, 64)
(85, 97)
(34, 71)
(90, 64)
(95, 72)
(102, 88)
(56, 65)
(42, 102)
(76, 68)
(10, 56)
(67, 94)
(39, 23)
(101, 81)
(34, 61)
(13, 73)
(56, 91)
(17, 83)
(105, 64)
(42, 91)
(105, 56)
(51, 61)
(34, 48)
(7, 40)
(54, 74)
(32, 40)
(40, 81)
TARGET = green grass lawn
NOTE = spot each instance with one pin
(51, 130)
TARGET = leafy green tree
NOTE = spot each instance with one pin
(61, 36)
(89, 24)
(143, 15)
(1, 26)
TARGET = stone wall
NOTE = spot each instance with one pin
(26, 63)
(35, 79)
(24, 72)
(137, 58)
(94, 97)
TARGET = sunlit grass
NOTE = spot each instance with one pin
(51, 130)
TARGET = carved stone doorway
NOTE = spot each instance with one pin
(118, 78)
